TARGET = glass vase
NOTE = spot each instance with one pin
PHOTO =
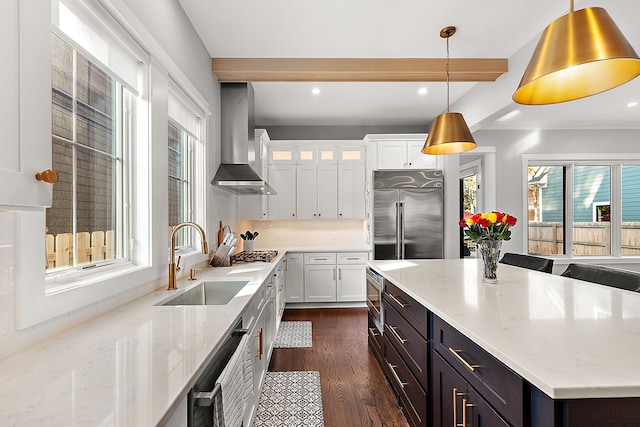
(490, 252)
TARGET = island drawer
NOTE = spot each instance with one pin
(411, 346)
(412, 397)
(497, 383)
(416, 314)
(320, 258)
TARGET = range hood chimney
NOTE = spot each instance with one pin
(241, 168)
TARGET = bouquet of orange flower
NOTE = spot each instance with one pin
(488, 226)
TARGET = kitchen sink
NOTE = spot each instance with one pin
(214, 292)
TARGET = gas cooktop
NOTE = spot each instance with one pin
(253, 256)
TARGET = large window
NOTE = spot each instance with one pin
(186, 165)
(180, 143)
(583, 208)
(87, 222)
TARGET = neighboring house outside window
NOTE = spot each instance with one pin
(591, 226)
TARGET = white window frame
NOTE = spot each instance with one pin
(38, 298)
(60, 279)
(569, 160)
(185, 113)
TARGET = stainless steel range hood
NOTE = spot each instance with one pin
(241, 168)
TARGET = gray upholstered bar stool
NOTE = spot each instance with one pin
(528, 261)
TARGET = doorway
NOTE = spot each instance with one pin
(470, 198)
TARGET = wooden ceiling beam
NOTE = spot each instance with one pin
(357, 69)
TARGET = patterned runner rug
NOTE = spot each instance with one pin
(290, 399)
(293, 335)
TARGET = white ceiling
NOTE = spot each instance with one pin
(407, 29)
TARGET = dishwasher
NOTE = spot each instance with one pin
(201, 397)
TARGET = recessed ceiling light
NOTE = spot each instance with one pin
(422, 91)
(315, 91)
(509, 115)
(632, 104)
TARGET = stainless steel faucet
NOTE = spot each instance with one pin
(172, 264)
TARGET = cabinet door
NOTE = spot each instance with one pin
(320, 283)
(294, 289)
(416, 159)
(392, 155)
(351, 192)
(26, 100)
(456, 403)
(352, 283)
(306, 192)
(327, 192)
(283, 204)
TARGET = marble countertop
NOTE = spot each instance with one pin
(569, 338)
(130, 367)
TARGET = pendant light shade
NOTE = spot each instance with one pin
(449, 132)
(580, 54)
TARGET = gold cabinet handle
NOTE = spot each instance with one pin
(49, 176)
(468, 365)
(395, 374)
(456, 393)
(397, 301)
(465, 405)
(393, 329)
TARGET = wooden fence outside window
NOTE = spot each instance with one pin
(91, 247)
(589, 238)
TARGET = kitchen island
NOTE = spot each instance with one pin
(572, 346)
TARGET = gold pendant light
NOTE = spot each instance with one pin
(449, 133)
(580, 54)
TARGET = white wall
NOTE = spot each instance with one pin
(512, 145)
(162, 28)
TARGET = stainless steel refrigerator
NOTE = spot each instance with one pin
(408, 214)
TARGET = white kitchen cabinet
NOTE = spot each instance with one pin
(352, 276)
(25, 113)
(416, 159)
(283, 179)
(404, 154)
(335, 277)
(280, 289)
(351, 285)
(294, 289)
(351, 191)
(317, 192)
(320, 277)
(320, 283)
(327, 190)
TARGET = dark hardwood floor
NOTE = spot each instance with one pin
(354, 390)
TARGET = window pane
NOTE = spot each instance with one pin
(546, 210)
(179, 177)
(62, 88)
(95, 102)
(630, 242)
(90, 189)
(591, 210)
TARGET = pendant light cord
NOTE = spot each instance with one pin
(571, 8)
(447, 71)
